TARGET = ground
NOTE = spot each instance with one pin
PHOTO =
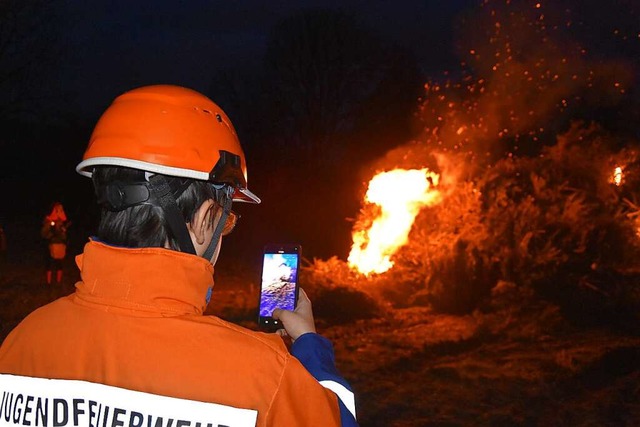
(412, 367)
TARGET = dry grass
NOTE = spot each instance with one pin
(413, 367)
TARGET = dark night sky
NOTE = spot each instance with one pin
(110, 47)
(104, 48)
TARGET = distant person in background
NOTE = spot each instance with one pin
(54, 230)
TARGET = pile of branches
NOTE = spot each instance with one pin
(556, 227)
(558, 224)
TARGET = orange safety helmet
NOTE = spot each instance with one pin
(173, 131)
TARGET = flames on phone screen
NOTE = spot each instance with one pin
(278, 286)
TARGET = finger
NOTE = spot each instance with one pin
(278, 313)
(304, 304)
(282, 332)
(303, 299)
(302, 295)
(282, 315)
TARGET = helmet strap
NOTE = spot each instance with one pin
(226, 199)
(162, 191)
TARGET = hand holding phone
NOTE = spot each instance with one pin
(279, 283)
(300, 321)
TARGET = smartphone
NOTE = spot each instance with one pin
(279, 282)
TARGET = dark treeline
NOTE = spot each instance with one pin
(329, 96)
(316, 112)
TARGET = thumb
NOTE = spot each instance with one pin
(279, 314)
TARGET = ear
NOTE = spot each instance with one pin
(201, 222)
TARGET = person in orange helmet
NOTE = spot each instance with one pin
(54, 231)
(131, 346)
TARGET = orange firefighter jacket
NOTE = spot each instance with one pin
(135, 322)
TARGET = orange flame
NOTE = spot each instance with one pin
(617, 176)
(400, 193)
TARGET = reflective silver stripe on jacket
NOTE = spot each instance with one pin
(47, 402)
(343, 393)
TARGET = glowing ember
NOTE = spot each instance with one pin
(401, 194)
(617, 176)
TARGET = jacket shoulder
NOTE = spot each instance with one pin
(266, 341)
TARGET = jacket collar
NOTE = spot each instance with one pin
(152, 280)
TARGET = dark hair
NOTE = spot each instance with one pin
(145, 225)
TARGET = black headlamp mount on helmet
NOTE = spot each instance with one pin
(228, 170)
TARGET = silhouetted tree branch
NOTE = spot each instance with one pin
(321, 66)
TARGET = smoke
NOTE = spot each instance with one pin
(525, 137)
(526, 72)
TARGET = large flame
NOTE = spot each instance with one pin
(400, 194)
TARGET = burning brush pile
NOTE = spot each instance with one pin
(514, 197)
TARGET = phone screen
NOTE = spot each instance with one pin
(279, 282)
